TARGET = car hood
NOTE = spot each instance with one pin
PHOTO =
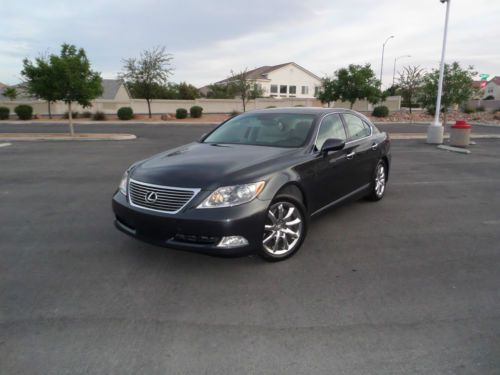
(208, 166)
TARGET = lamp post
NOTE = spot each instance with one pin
(394, 70)
(435, 130)
(382, 63)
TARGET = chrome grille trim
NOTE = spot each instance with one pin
(170, 199)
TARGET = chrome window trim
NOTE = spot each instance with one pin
(366, 121)
(195, 193)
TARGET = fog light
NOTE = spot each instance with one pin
(232, 241)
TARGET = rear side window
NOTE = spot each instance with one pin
(356, 127)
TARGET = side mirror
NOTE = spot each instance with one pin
(202, 137)
(332, 144)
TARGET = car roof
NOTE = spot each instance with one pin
(317, 111)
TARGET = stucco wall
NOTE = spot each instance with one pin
(209, 105)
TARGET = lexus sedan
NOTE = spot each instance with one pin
(252, 183)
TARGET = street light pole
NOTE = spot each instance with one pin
(382, 62)
(394, 70)
(435, 130)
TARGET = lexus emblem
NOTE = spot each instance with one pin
(151, 197)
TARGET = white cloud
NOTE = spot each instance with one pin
(210, 39)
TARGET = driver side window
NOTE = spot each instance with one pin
(331, 127)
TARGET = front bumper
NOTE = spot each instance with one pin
(194, 229)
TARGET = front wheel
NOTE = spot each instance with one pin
(284, 229)
(379, 181)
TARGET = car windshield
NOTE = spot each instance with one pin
(265, 129)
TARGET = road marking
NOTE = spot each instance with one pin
(5, 144)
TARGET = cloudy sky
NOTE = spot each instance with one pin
(210, 38)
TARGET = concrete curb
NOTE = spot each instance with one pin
(454, 149)
(403, 136)
(65, 137)
(43, 122)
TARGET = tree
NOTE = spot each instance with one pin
(244, 88)
(356, 82)
(147, 74)
(40, 80)
(74, 80)
(10, 92)
(328, 92)
(220, 91)
(187, 91)
(410, 83)
(457, 88)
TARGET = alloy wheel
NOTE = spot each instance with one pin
(380, 180)
(283, 228)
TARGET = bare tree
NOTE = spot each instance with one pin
(243, 87)
(146, 75)
(410, 82)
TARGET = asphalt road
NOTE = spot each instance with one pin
(408, 285)
(162, 130)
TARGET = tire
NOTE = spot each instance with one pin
(379, 181)
(285, 228)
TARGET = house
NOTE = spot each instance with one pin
(492, 88)
(288, 80)
(113, 89)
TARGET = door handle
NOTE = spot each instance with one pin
(374, 146)
(350, 156)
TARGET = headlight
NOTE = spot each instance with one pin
(228, 196)
(123, 184)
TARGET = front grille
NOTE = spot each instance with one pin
(159, 198)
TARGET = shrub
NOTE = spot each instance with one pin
(480, 109)
(181, 113)
(125, 113)
(24, 111)
(469, 110)
(195, 111)
(496, 116)
(86, 114)
(99, 116)
(4, 113)
(380, 111)
(234, 113)
(74, 114)
(270, 106)
(489, 97)
(299, 105)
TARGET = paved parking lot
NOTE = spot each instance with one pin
(408, 285)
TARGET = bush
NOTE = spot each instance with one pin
(234, 113)
(74, 114)
(380, 111)
(299, 105)
(469, 110)
(125, 113)
(480, 109)
(195, 111)
(4, 113)
(489, 97)
(24, 111)
(181, 113)
(86, 114)
(270, 106)
(99, 116)
(496, 115)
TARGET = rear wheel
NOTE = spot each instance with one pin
(379, 181)
(284, 229)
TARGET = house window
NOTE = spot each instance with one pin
(305, 90)
(283, 89)
(316, 91)
(292, 90)
(274, 89)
